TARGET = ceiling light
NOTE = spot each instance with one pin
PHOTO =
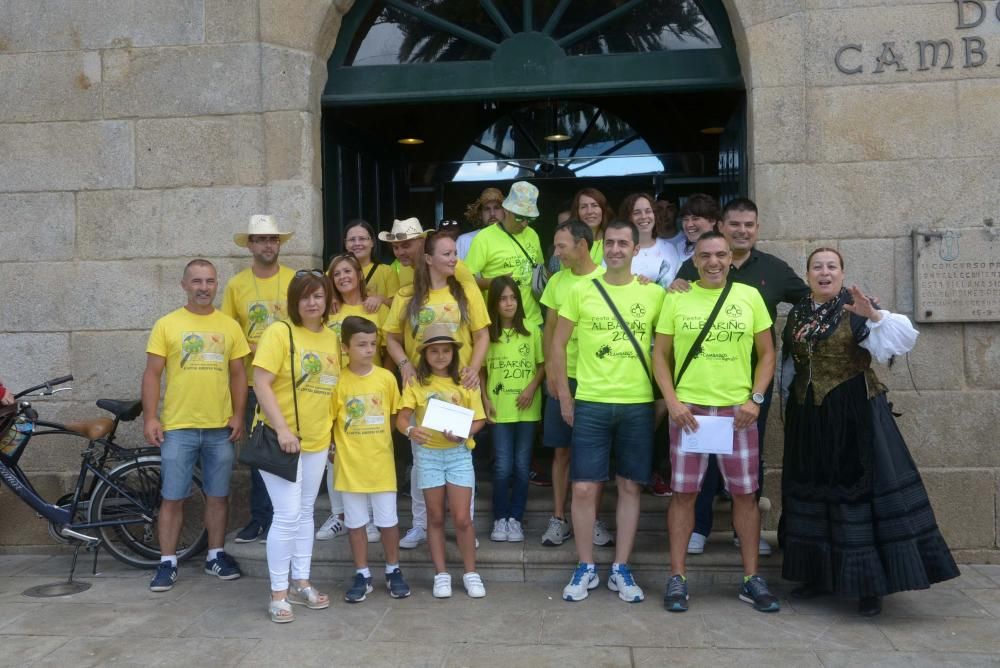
(713, 131)
(410, 141)
(557, 136)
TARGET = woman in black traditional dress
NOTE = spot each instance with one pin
(857, 520)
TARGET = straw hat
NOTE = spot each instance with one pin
(438, 333)
(261, 225)
(403, 230)
(522, 200)
(473, 210)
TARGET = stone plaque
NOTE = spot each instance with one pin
(956, 275)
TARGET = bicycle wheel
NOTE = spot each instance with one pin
(137, 544)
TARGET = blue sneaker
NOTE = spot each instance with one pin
(755, 592)
(396, 585)
(166, 576)
(676, 597)
(360, 589)
(622, 582)
(580, 584)
(223, 566)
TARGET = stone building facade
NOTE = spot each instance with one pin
(136, 136)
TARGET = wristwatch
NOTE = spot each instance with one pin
(408, 430)
(757, 398)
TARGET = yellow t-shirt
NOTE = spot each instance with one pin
(494, 253)
(462, 273)
(607, 369)
(416, 395)
(317, 366)
(556, 291)
(384, 282)
(362, 431)
(511, 363)
(721, 374)
(197, 349)
(256, 303)
(440, 307)
(378, 317)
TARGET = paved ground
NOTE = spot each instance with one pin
(204, 622)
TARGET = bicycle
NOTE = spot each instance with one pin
(116, 498)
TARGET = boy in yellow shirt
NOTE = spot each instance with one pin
(365, 400)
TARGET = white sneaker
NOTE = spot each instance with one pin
(331, 528)
(580, 584)
(763, 548)
(558, 532)
(622, 582)
(374, 535)
(515, 532)
(602, 535)
(500, 531)
(473, 585)
(697, 543)
(413, 537)
(442, 586)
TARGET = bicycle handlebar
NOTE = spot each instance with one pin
(47, 385)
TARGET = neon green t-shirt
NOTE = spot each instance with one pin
(440, 307)
(197, 350)
(597, 251)
(511, 363)
(556, 290)
(256, 303)
(317, 367)
(720, 375)
(416, 395)
(362, 431)
(494, 253)
(607, 369)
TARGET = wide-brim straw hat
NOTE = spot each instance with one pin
(261, 225)
(438, 333)
(522, 200)
(403, 230)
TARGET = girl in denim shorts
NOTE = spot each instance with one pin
(444, 460)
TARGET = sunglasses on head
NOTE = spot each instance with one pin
(399, 236)
(447, 223)
(309, 272)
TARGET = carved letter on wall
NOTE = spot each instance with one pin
(935, 48)
(888, 57)
(840, 65)
(975, 51)
(978, 4)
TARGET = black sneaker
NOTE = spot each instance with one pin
(250, 533)
(396, 585)
(755, 592)
(676, 597)
(359, 590)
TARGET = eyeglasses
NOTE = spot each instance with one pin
(357, 240)
(309, 272)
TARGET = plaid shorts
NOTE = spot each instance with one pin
(738, 469)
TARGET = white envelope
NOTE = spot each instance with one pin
(442, 416)
(714, 436)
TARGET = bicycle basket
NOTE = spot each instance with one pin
(11, 438)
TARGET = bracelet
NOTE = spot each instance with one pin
(402, 363)
(408, 430)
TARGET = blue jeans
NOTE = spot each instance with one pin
(260, 502)
(703, 517)
(512, 443)
(182, 449)
(599, 428)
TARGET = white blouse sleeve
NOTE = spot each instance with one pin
(892, 335)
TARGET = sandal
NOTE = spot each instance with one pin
(280, 611)
(308, 596)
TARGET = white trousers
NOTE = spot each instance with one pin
(290, 538)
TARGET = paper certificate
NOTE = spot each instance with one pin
(714, 436)
(442, 416)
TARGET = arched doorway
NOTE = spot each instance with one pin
(471, 81)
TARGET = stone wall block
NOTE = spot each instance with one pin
(936, 362)
(231, 21)
(869, 265)
(979, 131)
(294, 23)
(66, 156)
(88, 24)
(225, 150)
(904, 274)
(37, 226)
(289, 146)
(63, 86)
(108, 364)
(186, 222)
(778, 125)
(299, 206)
(949, 429)
(964, 503)
(33, 358)
(887, 122)
(777, 52)
(182, 81)
(982, 356)
(761, 11)
(289, 78)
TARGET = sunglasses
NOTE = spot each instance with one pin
(524, 219)
(258, 239)
(447, 223)
(309, 272)
(399, 236)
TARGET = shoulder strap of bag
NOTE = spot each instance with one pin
(291, 353)
(531, 260)
(696, 348)
(621, 322)
(371, 272)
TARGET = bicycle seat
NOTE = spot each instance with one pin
(92, 429)
(125, 411)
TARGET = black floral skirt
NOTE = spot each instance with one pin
(857, 520)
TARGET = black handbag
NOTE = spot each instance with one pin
(262, 450)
